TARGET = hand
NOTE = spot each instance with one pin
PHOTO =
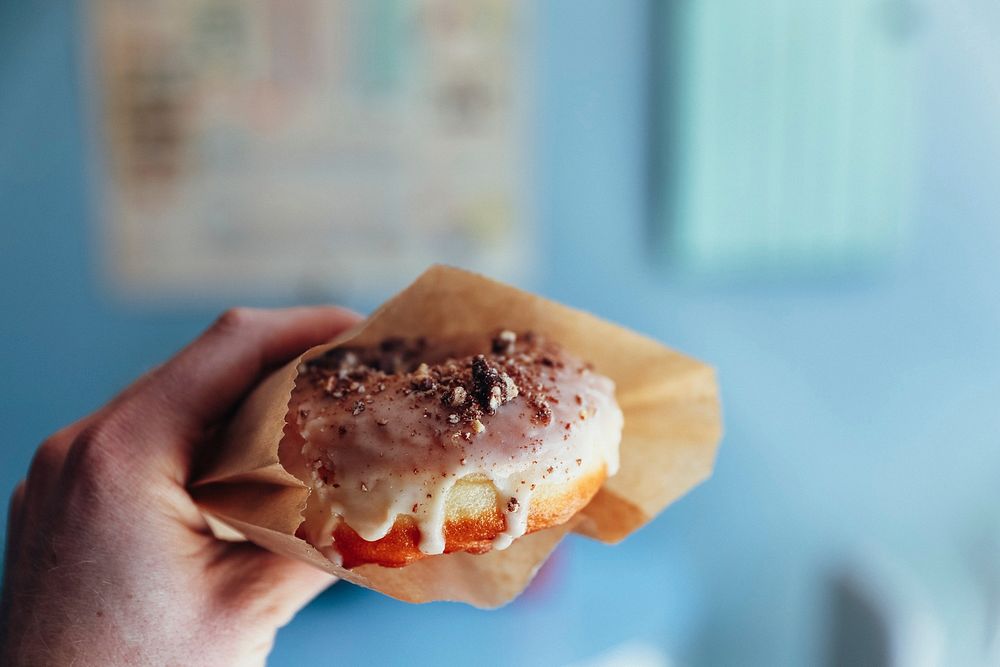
(109, 561)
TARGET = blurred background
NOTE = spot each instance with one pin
(803, 193)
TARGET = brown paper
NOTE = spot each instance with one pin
(672, 427)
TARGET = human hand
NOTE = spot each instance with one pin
(108, 559)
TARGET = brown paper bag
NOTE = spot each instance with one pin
(672, 427)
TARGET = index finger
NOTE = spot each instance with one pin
(175, 404)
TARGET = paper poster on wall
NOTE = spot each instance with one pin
(281, 146)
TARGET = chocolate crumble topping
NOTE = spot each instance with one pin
(469, 388)
(456, 396)
(504, 342)
(491, 387)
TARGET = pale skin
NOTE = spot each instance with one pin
(108, 560)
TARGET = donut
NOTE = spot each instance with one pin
(417, 447)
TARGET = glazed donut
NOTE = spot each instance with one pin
(415, 447)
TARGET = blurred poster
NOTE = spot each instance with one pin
(326, 146)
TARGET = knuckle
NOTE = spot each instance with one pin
(93, 452)
(17, 497)
(48, 459)
(234, 319)
(16, 503)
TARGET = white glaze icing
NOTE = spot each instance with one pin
(400, 454)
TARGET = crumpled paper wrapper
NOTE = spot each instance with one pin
(672, 428)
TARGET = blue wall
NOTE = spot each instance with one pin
(861, 413)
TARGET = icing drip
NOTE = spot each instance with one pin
(388, 431)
